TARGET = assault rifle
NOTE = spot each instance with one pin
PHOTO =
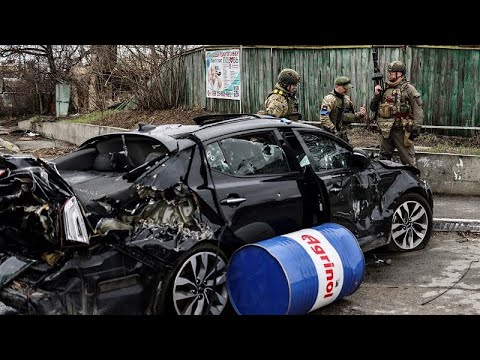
(377, 78)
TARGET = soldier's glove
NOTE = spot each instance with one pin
(414, 132)
(332, 130)
(295, 116)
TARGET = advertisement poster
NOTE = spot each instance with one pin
(223, 74)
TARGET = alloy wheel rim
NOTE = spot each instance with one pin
(409, 225)
(200, 286)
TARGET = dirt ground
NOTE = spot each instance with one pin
(129, 119)
(362, 137)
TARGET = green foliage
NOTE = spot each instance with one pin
(90, 117)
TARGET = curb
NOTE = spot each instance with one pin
(456, 225)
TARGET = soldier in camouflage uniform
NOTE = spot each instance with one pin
(400, 114)
(282, 101)
(338, 110)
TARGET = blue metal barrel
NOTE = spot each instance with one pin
(295, 273)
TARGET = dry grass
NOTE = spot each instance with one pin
(129, 119)
(50, 153)
(428, 142)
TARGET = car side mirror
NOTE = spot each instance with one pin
(360, 156)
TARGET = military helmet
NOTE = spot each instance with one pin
(397, 66)
(288, 77)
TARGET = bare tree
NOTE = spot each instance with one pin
(153, 74)
(102, 65)
(149, 76)
(40, 67)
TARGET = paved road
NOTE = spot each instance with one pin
(28, 142)
(442, 279)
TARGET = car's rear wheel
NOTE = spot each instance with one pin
(197, 285)
(411, 225)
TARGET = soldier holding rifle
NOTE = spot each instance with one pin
(399, 112)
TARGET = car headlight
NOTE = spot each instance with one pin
(75, 229)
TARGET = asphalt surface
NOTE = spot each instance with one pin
(28, 142)
(456, 207)
(456, 213)
(442, 279)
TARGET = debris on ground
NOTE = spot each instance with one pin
(468, 236)
(374, 260)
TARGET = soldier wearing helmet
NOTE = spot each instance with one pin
(337, 109)
(282, 101)
(400, 114)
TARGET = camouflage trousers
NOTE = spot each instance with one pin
(395, 141)
(343, 134)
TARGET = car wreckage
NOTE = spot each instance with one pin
(144, 221)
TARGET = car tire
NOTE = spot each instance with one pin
(411, 224)
(191, 287)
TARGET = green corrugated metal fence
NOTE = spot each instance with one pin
(447, 78)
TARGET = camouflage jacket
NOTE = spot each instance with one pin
(332, 117)
(399, 102)
(281, 103)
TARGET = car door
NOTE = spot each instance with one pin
(351, 185)
(259, 190)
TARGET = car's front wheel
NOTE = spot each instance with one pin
(197, 284)
(411, 225)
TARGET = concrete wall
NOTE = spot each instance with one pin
(70, 132)
(451, 173)
(446, 173)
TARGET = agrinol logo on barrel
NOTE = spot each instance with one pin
(327, 264)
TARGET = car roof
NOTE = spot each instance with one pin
(220, 127)
(208, 128)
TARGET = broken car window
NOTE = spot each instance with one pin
(327, 153)
(252, 154)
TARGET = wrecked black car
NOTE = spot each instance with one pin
(144, 221)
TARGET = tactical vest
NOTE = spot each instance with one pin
(340, 112)
(344, 108)
(394, 109)
(292, 112)
(393, 104)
